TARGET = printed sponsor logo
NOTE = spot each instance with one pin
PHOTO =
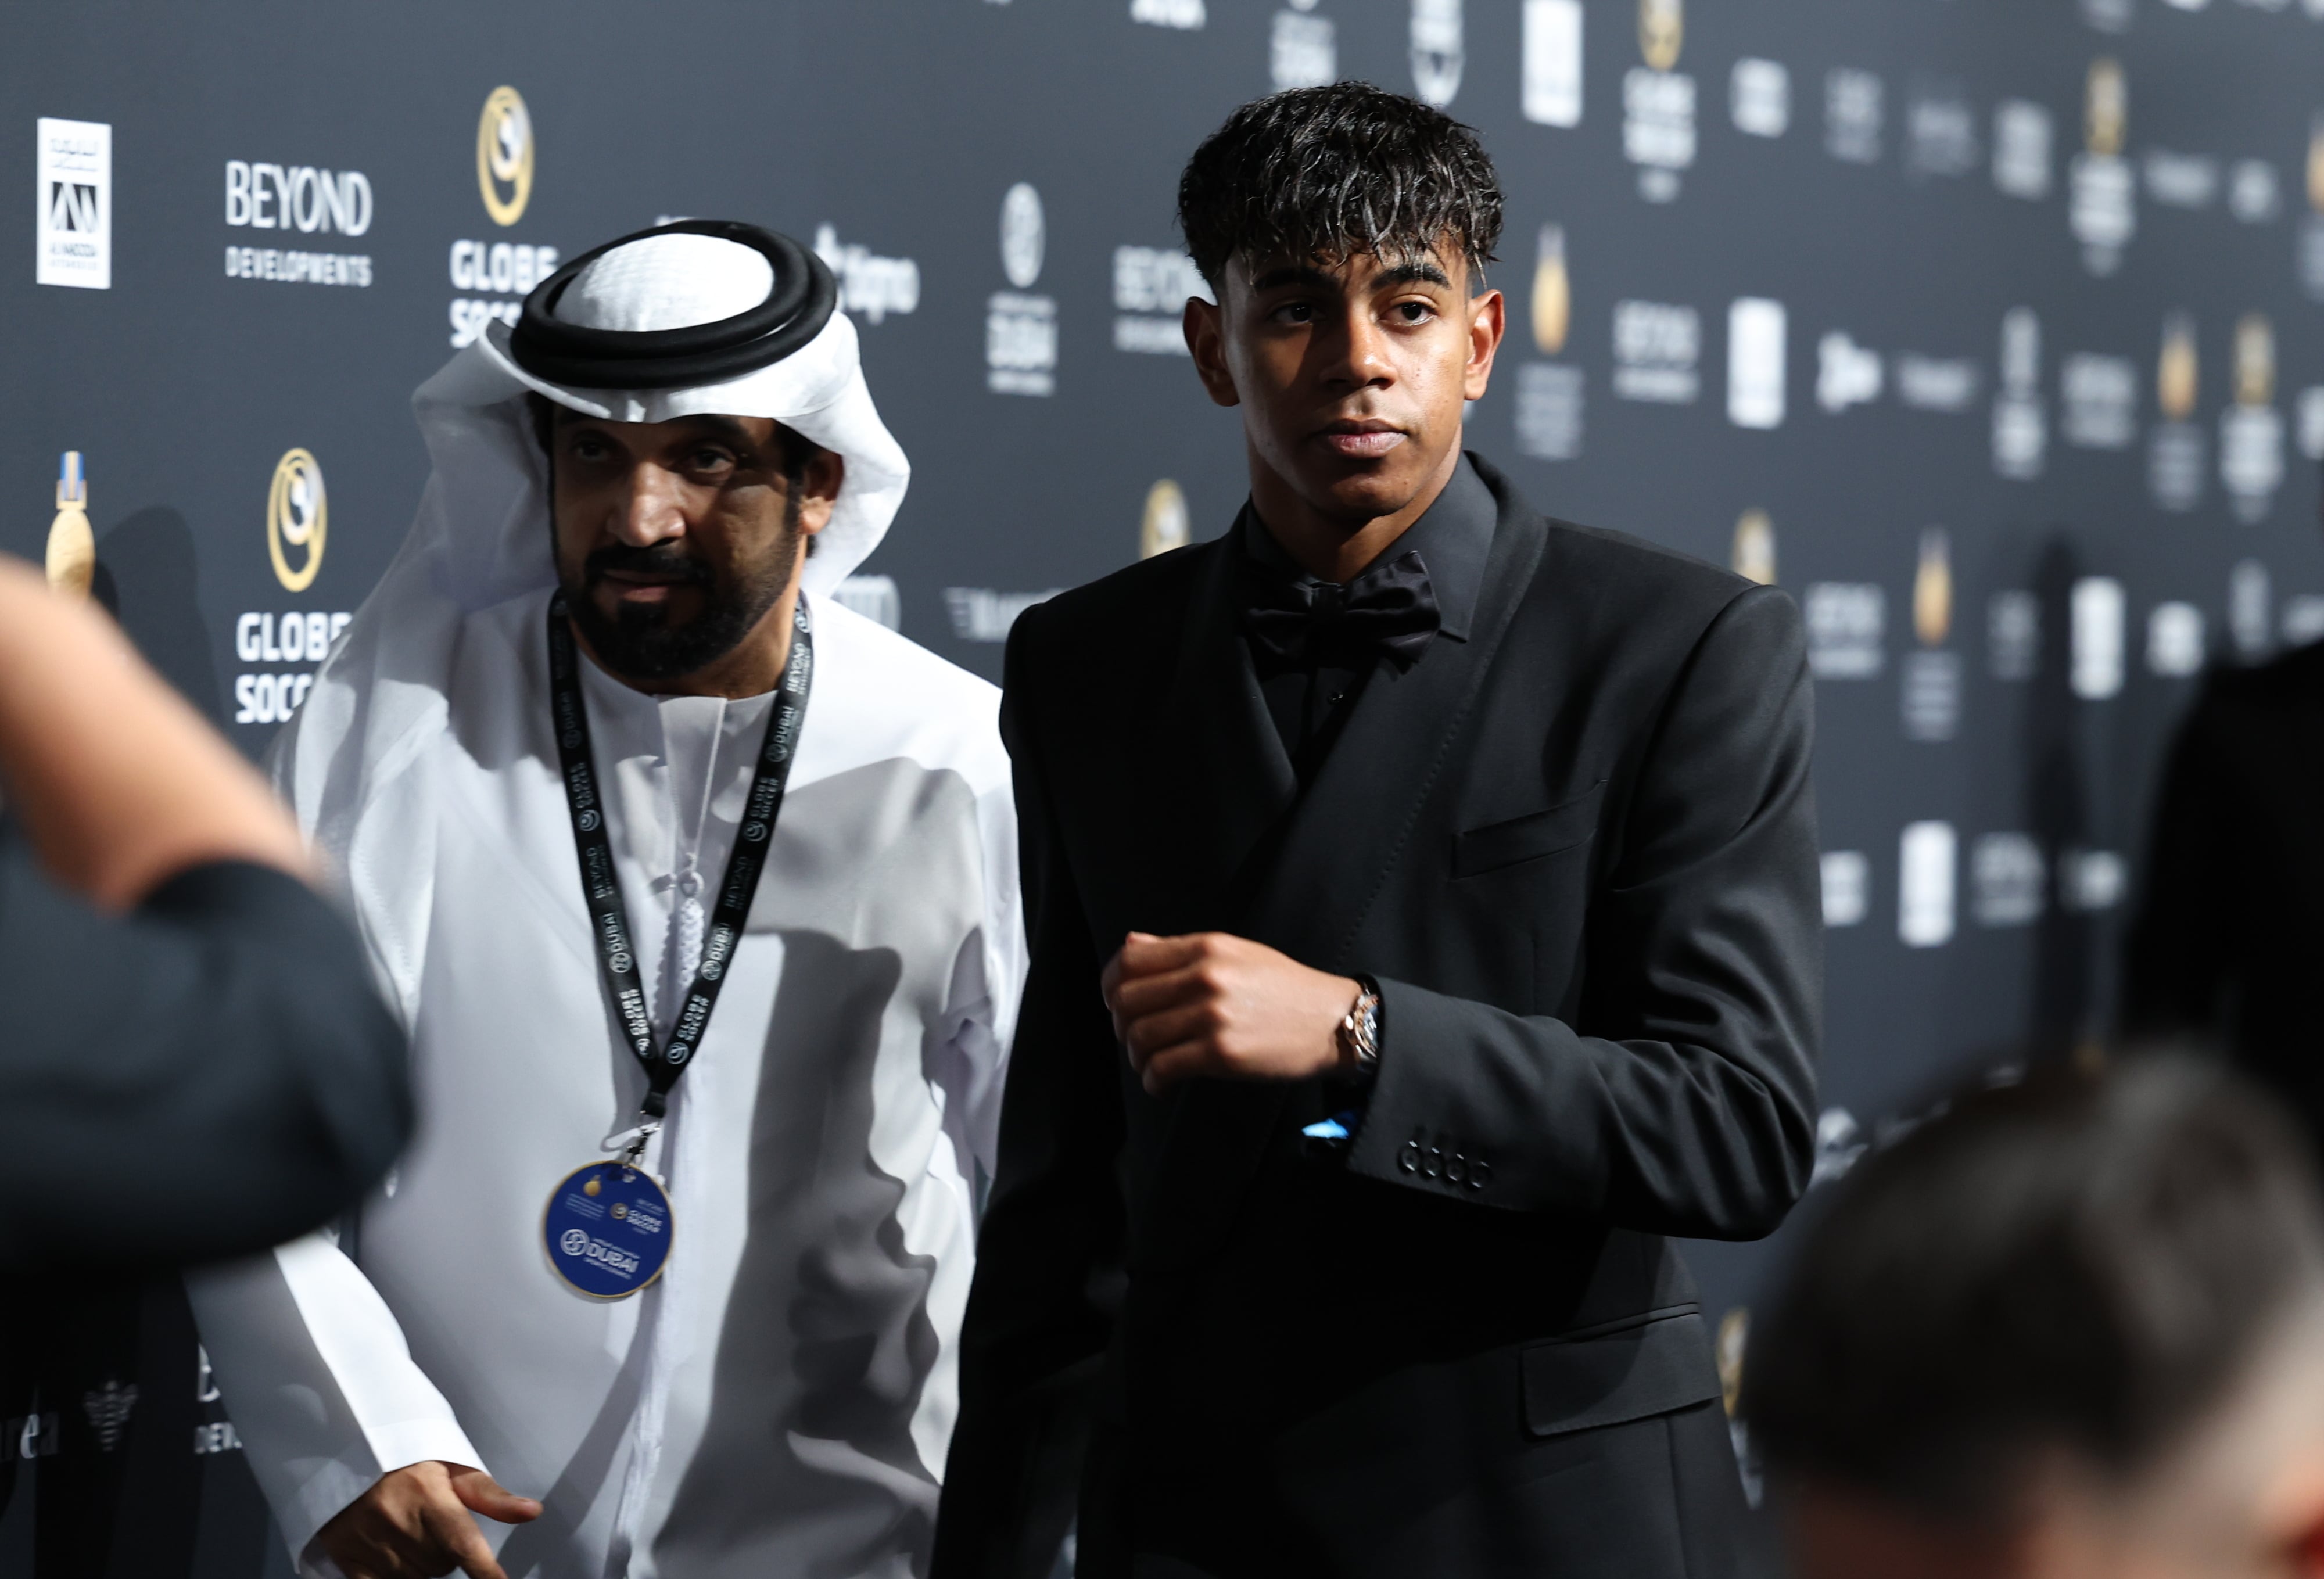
(2021, 150)
(298, 516)
(1854, 107)
(1020, 328)
(1657, 345)
(72, 556)
(2096, 608)
(1165, 523)
(1946, 384)
(302, 198)
(1847, 624)
(1183, 14)
(1759, 98)
(2021, 426)
(2174, 640)
(1931, 694)
(1847, 373)
(2012, 634)
(1151, 286)
(1847, 887)
(1303, 50)
(2250, 602)
(2008, 879)
(2180, 180)
(1926, 855)
(504, 155)
(2090, 881)
(2254, 195)
(74, 223)
(979, 614)
(869, 284)
(1755, 363)
(2098, 400)
(107, 1409)
(1549, 411)
(1940, 136)
(1752, 553)
(1551, 45)
(1438, 56)
(2176, 451)
(2104, 208)
(2251, 430)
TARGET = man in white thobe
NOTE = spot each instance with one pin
(677, 445)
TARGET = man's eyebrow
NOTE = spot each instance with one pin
(730, 429)
(1291, 274)
(1421, 270)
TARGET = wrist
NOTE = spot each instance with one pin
(1357, 1034)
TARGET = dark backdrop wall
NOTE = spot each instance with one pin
(1990, 329)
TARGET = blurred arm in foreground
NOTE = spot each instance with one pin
(2069, 1328)
(194, 1064)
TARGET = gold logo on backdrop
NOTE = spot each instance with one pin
(72, 546)
(2254, 361)
(1552, 293)
(298, 514)
(2175, 379)
(1754, 554)
(1167, 524)
(504, 156)
(1933, 590)
(2105, 108)
(2315, 164)
(1734, 1337)
(1662, 30)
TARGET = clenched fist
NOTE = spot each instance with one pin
(1212, 1004)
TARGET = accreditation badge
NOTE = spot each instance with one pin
(607, 1230)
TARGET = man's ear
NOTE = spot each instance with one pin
(1205, 329)
(819, 481)
(1488, 320)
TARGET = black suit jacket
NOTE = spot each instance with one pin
(2229, 932)
(206, 1075)
(1577, 852)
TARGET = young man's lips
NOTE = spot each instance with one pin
(1362, 444)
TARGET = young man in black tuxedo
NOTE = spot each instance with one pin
(1447, 875)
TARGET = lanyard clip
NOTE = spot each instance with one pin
(646, 1131)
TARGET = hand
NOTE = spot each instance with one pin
(414, 1522)
(1220, 1006)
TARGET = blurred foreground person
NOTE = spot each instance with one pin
(194, 1064)
(2225, 942)
(699, 893)
(1423, 895)
(2071, 1329)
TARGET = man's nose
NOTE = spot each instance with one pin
(652, 508)
(1355, 351)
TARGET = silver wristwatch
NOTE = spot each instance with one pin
(1360, 1027)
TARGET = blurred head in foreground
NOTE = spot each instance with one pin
(2072, 1327)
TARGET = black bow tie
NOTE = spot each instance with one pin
(1390, 609)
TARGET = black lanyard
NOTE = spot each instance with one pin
(601, 891)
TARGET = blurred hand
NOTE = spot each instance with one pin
(1220, 1006)
(416, 1523)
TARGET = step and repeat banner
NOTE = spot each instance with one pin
(1993, 330)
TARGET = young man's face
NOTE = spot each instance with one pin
(674, 539)
(1351, 376)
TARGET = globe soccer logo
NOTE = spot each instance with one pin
(504, 156)
(296, 515)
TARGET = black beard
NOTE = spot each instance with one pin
(641, 643)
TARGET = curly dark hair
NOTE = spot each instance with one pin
(1329, 172)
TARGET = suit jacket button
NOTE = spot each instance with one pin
(1480, 1173)
(1408, 1159)
(1435, 1166)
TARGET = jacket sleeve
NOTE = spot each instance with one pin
(320, 1385)
(1683, 1101)
(203, 1077)
(1041, 1313)
(2179, 954)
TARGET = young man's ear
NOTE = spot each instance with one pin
(1205, 332)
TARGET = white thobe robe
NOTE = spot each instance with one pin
(780, 1401)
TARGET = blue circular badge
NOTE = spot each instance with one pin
(607, 1230)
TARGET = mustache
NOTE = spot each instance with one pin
(660, 559)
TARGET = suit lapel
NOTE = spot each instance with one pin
(1226, 779)
(1311, 883)
(1344, 835)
